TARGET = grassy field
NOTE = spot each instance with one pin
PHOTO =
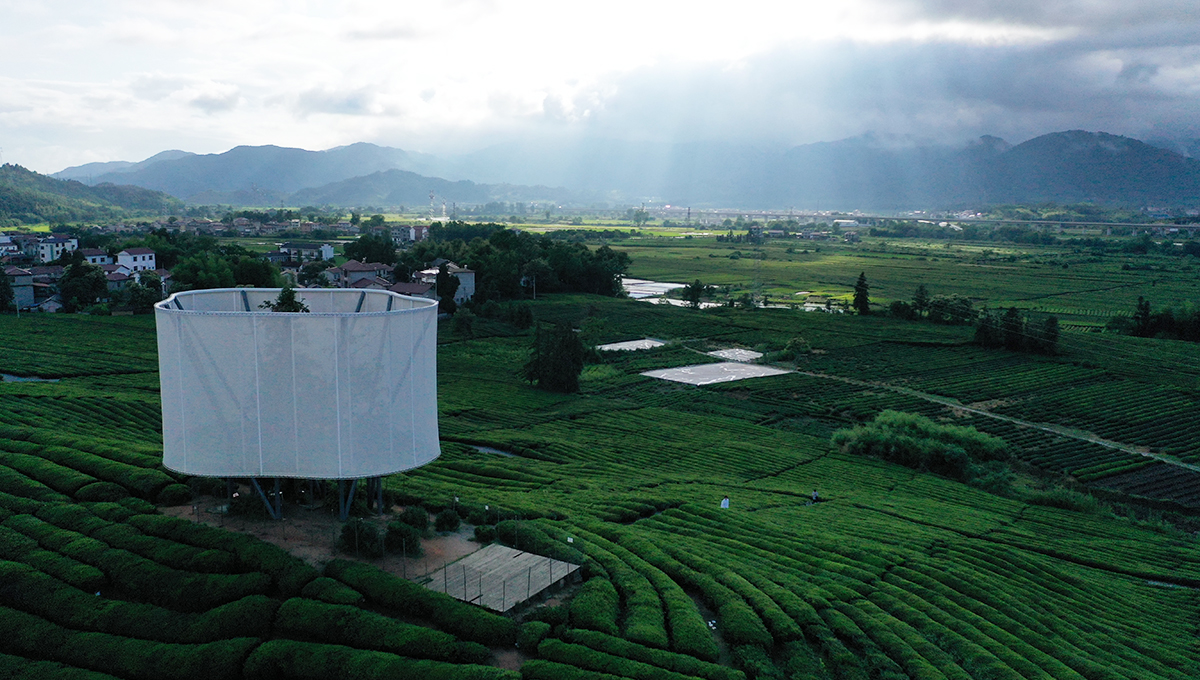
(1081, 288)
(897, 574)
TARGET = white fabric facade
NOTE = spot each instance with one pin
(346, 391)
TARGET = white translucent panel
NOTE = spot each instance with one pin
(348, 390)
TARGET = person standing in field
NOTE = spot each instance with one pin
(725, 502)
(815, 497)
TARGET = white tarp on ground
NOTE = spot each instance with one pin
(346, 391)
(641, 288)
(707, 374)
(736, 354)
(629, 345)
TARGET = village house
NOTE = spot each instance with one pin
(423, 290)
(137, 259)
(307, 251)
(52, 248)
(21, 281)
(466, 278)
(354, 271)
(95, 256)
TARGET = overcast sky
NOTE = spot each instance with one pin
(121, 80)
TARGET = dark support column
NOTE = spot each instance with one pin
(345, 498)
(271, 501)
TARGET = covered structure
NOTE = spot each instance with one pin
(345, 392)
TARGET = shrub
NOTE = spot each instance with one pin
(101, 491)
(555, 616)
(485, 533)
(532, 633)
(416, 517)
(917, 442)
(755, 662)
(331, 591)
(361, 537)
(590, 659)
(291, 660)
(353, 626)
(447, 520)
(595, 607)
(174, 494)
(464, 620)
(403, 538)
(680, 663)
(1065, 499)
(249, 617)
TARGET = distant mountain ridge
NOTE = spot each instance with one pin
(864, 172)
(27, 197)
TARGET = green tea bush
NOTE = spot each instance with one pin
(361, 537)
(62, 479)
(590, 659)
(459, 618)
(101, 491)
(331, 591)
(403, 538)
(539, 538)
(755, 662)
(596, 606)
(555, 616)
(679, 663)
(485, 533)
(292, 660)
(249, 617)
(20, 668)
(17, 484)
(531, 634)
(447, 520)
(303, 619)
(541, 669)
(416, 517)
(73, 517)
(174, 494)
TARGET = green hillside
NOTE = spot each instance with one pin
(898, 573)
(27, 197)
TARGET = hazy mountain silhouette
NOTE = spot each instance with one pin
(865, 172)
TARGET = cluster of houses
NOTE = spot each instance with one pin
(354, 274)
(25, 260)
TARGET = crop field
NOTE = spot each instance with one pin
(896, 574)
(1080, 288)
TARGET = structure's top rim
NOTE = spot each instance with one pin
(177, 303)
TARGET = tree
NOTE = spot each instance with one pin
(1012, 328)
(556, 359)
(693, 292)
(1045, 338)
(372, 248)
(313, 272)
(445, 286)
(286, 302)
(987, 333)
(142, 296)
(81, 286)
(920, 301)
(862, 303)
(1143, 325)
(203, 270)
(7, 296)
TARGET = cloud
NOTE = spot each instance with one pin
(215, 98)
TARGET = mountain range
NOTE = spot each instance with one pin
(866, 172)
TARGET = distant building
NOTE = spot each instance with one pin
(21, 281)
(424, 290)
(354, 271)
(307, 251)
(466, 278)
(95, 256)
(137, 259)
(52, 248)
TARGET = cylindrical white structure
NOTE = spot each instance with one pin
(346, 391)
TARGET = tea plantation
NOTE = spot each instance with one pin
(1058, 564)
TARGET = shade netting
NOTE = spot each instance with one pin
(348, 390)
